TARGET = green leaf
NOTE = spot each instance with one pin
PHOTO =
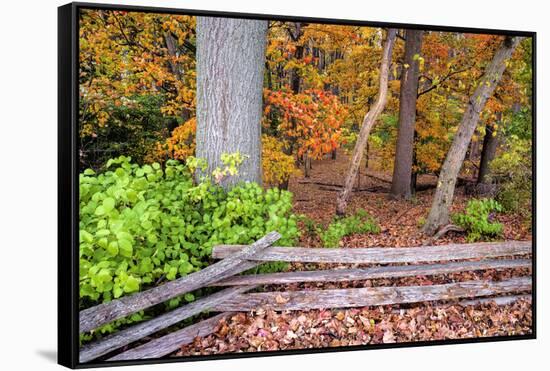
(172, 273)
(86, 236)
(126, 248)
(112, 248)
(131, 284)
(120, 172)
(103, 233)
(189, 297)
(100, 210)
(117, 291)
(108, 204)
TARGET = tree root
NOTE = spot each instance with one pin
(443, 231)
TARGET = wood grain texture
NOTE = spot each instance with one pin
(169, 343)
(119, 339)
(357, 274)
(371, 296)
(499, 300)
(373, 255)
(230, 73)
(94, 317)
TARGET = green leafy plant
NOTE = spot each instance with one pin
(311, 226)
(360, 222)
(512, 171)
(142, 225)
(477, 219)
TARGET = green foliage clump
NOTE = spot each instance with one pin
(476, 220)
(311, 226)
(360, 222)
(512, 171)
(140, 225)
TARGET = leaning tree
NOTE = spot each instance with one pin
(368, 122)
(230, 69)
(443, 198)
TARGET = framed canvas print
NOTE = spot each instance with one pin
(237, 185)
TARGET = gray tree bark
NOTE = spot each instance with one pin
(368, 122)
(443, 198)
(402, 168)
(230, 72)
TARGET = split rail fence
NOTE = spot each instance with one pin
(235, 297)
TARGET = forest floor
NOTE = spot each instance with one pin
(265, 330)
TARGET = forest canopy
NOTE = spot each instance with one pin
(138, 83)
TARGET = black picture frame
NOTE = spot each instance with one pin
(68, 213)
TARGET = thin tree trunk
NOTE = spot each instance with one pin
(307, 165)
(443, 198)
(172, 52)
(402, 169)
(295, 80)
(474, 149)
(230, 72)
(295, 33)
(490, 144)
(367, 156)
(269, 78)
(414, 170)
(176, 69)
(368, 123)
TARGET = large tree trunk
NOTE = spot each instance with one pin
(490, 144)
(402, 168)
(443, 198)
(230, 71)
(368, 123)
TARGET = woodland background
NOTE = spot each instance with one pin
(198, 131)
(39, 350)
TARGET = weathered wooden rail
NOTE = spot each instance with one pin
(405, 262)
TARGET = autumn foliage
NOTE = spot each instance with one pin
(181, 144)
(277, 167)
(311, 120)
(137, 98)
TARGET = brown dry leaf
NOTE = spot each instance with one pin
(388, 337)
